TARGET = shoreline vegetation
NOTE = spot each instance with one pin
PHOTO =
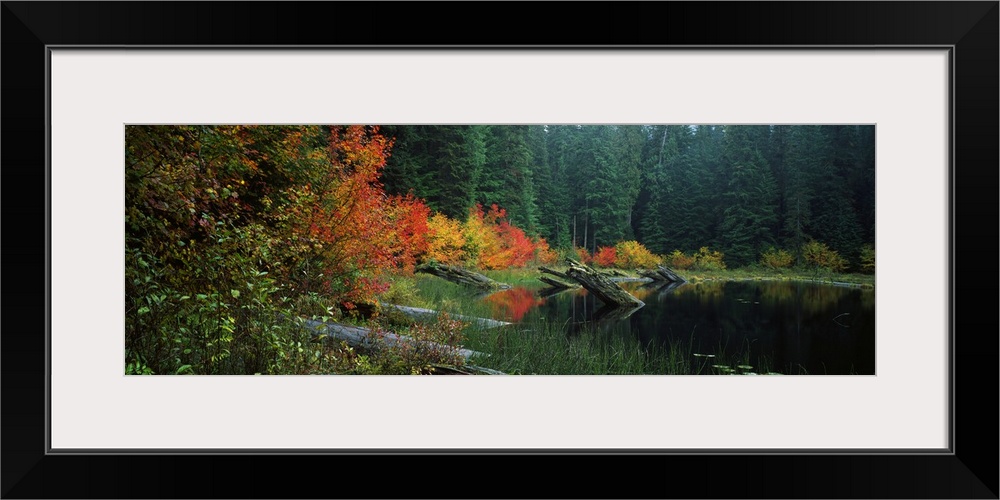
(238, 239)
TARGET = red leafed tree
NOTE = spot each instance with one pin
(518, 248)
(494, 241)
(409, 230)
(349, 221)
(605, 256)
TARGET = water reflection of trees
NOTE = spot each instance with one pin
(785, 326)
(513, 304)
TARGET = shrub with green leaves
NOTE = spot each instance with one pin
(868, 259)
(427, 344)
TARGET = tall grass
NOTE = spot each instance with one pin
(545, 348)
(558, 348)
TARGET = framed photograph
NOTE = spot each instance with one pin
(908, 91)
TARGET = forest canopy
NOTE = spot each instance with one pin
(737, 189)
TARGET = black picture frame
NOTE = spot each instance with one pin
(970, 28)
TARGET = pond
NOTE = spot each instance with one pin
(776, 326)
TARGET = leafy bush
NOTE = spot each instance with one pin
(583, 256)
(777, 259)
(445, 240)
(678, 260)
(818, 256)
(633, 255)
(605, 257)
(428, 344)
(868, 259)
(543, 254)
(708, 260)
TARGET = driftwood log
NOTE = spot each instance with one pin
(601, 286)
(439, 369)
(462, 276)
(421, 313)
(663, 273)
(357, 336)
(557, 283)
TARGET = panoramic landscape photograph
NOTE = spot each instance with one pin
(596, 249)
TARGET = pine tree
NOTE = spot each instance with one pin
(750, 213)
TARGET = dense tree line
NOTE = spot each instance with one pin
(739, 189)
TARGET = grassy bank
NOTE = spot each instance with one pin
(758, 273)
(548, 349)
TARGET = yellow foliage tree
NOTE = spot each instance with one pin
(633, 255)
(445, 240)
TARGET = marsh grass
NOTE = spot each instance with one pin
(545, 348)
(549, 348)
(763, 274)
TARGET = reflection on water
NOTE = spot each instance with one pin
(791, 327)
(513, 304)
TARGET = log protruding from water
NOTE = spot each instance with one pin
(664, 273)
(603, 288)
(462, 276)
(567, 282)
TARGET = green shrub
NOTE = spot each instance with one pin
(429, 344)
(868, 259)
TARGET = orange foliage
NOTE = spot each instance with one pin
(678, 260)
(605, 256)
(517, 247)
(494, 243)
(345, 221)
(543, 254)
(583, 256)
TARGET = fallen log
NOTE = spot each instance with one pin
(461, 276)
(554, 273)
(663, 273)
(666, 271)
(557, 284)
(629, 279)
(419, 312)
(438, 369)
(357, 336)
(603, 288)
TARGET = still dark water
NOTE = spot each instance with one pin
(782, 326)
